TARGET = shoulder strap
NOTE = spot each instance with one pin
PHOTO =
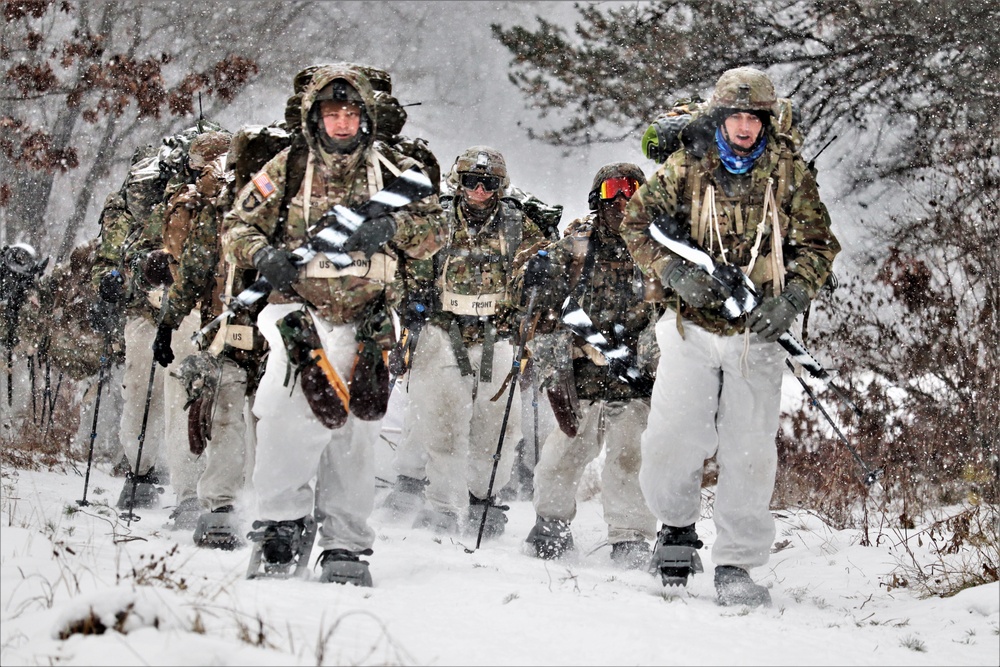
(295, 173)
(513, 229)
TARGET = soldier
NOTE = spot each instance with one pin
(464, 350)
(130, 272)
(219, 379)
(315, 427)
(750, 200)
(594, 408)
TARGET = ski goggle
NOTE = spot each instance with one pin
(612, 187)
(489, 183)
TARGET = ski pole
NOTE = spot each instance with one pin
(871, 476)
(129, 515)
(516, 371)
(105, 358)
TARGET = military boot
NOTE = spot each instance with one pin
(675, 556)
(406, 497)
(147, 491)
(550, 538)
(734, 586)
(341, 566)
(496, 517)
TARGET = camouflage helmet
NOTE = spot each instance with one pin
(390, 116)
(207, 147)
(483, 160)
(743, 89)
(612, 170)
(339, 90)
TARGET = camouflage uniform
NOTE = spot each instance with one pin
(131, 228)
(611, 412)
(718, 386)
(465, 349)
(345, 305)
(192, 235)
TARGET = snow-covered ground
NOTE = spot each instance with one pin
(170, 603)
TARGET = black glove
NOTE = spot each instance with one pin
(156, 268)
(162, 353)
(279, 267)
(775, 315)
(536, 271)
(112, 287)
(697, 287)
(372, 235)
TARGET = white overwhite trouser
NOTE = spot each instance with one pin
(534, 403)
(166, 425)
(708, 399)
(452, 418)
(617, 425)
(293, 446)
(225, 455)
(410, 456)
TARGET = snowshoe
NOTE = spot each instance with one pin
(496, 517)
(550, 538)
(147, 491)
(630, 554)
(218, 530)
(734, 587)
(340, 566)
(184, 516)
(406, 497)
(281, 548)
(438, 522)
(675, 556)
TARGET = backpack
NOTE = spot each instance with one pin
(686, 124)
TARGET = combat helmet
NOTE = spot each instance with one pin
(743, 89)
(207, 147)
(485, 161)
(609, 171)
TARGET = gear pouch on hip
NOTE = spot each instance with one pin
(322, 387)
(564, 403)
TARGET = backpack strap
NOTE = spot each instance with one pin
(295, 173)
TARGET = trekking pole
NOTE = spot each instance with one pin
(516, 370)
(871, 475)
(129, 515)
(105, 358)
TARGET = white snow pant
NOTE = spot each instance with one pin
(452, 418)
(293, 447)
(618, 425)
(166, 425)
(704, 404)
(534, 402)
(410, 456)
(107, 441)
(225, 456)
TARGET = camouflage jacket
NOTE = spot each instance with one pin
(339, 296)
(612, 294)
(471, 278)
(678, 189)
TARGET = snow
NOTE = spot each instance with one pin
(167, 602)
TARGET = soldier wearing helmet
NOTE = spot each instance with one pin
(318, 311)
(749, 200)
(466, 348)
(594, 408)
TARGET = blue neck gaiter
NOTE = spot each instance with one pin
(737, 164)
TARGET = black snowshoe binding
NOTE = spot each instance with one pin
(406, 497)
(550, 538)
(734, 587)
(496, 517)
(630, 554)
(340, 566)
(147, 491)
(281, 548)
(184, 516)
(675, 556)
(218, 529)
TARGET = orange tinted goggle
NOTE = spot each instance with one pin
(612, 187)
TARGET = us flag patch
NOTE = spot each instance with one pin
(264, 184)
